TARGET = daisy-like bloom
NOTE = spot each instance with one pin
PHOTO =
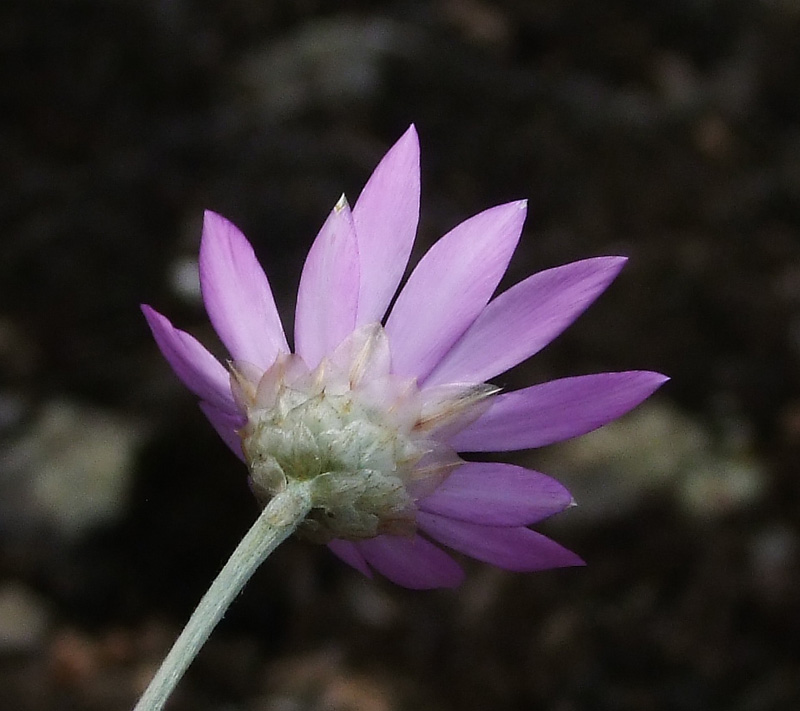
(370, 412)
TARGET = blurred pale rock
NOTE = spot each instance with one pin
(23, 619)
(721, 484)
(69, 471)
(327, 63)
(13, 407)
(655, 449)
(371, 604)
(185, 280)
(774, 552)
(321, 681)
(479, 22)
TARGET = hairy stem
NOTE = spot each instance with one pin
(274, 525)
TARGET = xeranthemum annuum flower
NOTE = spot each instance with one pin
(371, 410)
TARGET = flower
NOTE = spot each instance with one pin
(371, 410)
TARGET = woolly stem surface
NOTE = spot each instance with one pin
(275, 524)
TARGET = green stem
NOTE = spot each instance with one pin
(274, 525)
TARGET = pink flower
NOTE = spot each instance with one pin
(374, 407)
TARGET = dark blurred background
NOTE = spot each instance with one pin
(666, 130)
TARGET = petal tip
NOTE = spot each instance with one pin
(511, 207)
(608, 269)
(514, 211)
(658, 379)
(219, 230)
(565, 558)
(211, 222)
(410, 136)
(341, 204)
(615, 261)
(154, 319)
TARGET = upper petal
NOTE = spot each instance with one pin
(524, 319)
(450, 286)
(411, 562)
(511, 548)
(327, 298)
(237, 294)
(199, 371)
(555, 411)
(496, 494)
(385, 216)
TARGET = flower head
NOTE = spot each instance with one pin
(372, 410)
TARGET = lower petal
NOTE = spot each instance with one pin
(226, 426)
(494, 494)
(411, 562)
(555, 411)
(349, 553)
(199, 371)
(512, 548)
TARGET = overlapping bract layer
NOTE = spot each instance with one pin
(369, 443)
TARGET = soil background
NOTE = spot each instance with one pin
(667, 131)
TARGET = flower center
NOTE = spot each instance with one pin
(370, 444)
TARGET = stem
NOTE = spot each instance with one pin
(275, 524)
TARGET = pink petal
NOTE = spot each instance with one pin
(225, 425)
(349, 553)
(237, 295)
(524, 319)
(411, 562)
(511, 548)
(385, 216)
(199, 371)
(495, 494)
(327, 298)
(555, 411)
(449, 288)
